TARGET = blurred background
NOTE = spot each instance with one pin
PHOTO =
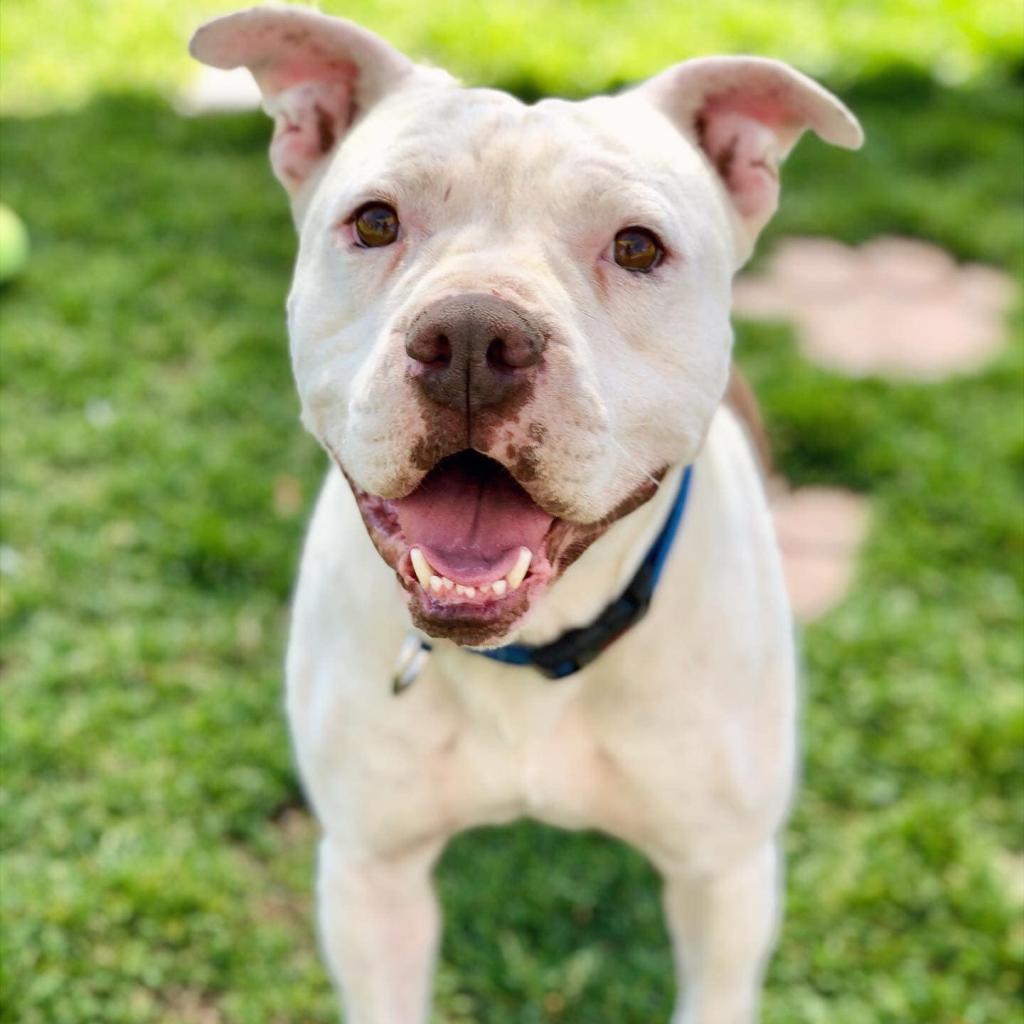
(157, 855)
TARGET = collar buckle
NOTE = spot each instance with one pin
(412, 659)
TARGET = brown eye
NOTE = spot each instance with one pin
(376, 225)
(638, 249)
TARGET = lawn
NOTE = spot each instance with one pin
(54, 52)
(156, 856)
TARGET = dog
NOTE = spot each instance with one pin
(541, 578)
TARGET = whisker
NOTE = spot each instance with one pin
(618, 444)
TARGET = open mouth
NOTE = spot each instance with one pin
(474, 550)
(474, 534)
(469, 544)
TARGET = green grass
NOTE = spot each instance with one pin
(156, 868)
(56, 53)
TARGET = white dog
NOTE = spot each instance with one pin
(510, 330)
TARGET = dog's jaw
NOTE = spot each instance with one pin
(470, 601)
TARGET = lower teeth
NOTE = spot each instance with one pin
(437, 585)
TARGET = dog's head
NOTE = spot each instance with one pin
(508, 321)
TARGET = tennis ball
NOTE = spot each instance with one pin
(13, 245)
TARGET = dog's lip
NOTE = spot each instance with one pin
(471, 624)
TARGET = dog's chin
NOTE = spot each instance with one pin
(473, 550)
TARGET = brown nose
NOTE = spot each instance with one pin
(474, 350)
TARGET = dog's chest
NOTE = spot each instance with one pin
(667, 763)
(494, 747)
(522, 748)
(652, 761)
(509, 745)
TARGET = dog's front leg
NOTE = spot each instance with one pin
(380, 925)
(722, 928)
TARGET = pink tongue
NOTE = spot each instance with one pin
(470, 518)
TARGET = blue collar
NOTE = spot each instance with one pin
(576, 648)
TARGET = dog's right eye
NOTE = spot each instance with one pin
(376, 224)
(637, 249)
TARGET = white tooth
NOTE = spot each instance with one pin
(499, 587)
(485, 588)
(446, 583)
(421, 567)
(469, 591)
(518, 573)
(460, 589)
(435, 584)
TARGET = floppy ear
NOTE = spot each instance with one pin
(746, 114)
(317, 75)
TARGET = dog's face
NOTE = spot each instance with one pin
(508, 321)
(485, 373)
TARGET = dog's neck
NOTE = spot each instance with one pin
(603, 571)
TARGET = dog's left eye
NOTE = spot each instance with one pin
(376, 224)
(637, 249)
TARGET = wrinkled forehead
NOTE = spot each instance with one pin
(461, 148)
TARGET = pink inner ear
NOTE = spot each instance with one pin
(311, 112)
(745, 137)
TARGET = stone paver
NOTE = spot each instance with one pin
(896, 307)
(820, 530)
